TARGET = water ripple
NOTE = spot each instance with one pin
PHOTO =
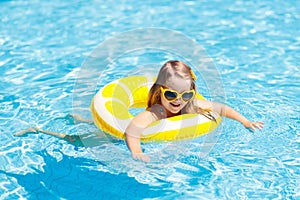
(255, 46)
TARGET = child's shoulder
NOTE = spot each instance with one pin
(144, 119)
(204, 104)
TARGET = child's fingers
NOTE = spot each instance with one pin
(145, 158)
(140, 156)
(258, 125)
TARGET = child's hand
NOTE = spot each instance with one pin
(140, 156)
(253, 125)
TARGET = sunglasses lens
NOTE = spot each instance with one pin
(187, 96)
(170, 95)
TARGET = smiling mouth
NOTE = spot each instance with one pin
(175, 105)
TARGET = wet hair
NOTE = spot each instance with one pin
(169, 70)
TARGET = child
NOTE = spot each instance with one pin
(173, 94)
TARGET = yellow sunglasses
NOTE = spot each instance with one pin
(172, 95)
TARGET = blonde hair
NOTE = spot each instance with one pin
(169, 70)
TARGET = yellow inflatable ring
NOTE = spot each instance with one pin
(110, 111)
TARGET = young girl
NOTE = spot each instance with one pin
(173, 94)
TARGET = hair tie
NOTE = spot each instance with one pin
(193, 75)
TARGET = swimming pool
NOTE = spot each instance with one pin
(255, 47)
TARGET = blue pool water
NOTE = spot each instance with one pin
(255, 46)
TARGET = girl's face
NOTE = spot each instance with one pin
(179, 85)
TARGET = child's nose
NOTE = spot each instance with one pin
(178, 100)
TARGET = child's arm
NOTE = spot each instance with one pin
(229, 112)
(133, 132)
